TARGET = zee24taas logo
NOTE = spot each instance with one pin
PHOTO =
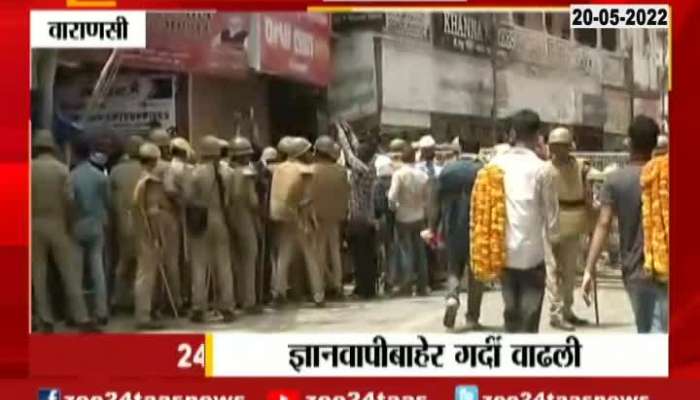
(49, 394)
(467, 393)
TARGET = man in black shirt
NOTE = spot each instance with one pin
(622, 196)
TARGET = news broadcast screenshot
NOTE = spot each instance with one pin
(349, 200)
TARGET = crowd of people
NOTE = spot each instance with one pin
(206, 231)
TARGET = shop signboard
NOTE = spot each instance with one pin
(358, 20)
(210, 43)
(408, 24)
(134, 101)
(462, 32)
(294, 45)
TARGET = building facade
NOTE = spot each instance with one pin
(455, 74)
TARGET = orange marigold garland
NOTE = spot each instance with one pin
(655, 217)
(487, 224)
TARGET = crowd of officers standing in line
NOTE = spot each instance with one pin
(202, 233)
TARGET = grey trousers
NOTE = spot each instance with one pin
(523, 292)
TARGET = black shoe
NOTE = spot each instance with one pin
(448, 320)
(88, 327)
(149, 326)
(253, 310)
(422, 292)
(182, 310)
(576, 321)
(229, 316)
(279, 302)
(156, 315)
(319, 304)
(102, 321)
(197, 316)
(562, 325)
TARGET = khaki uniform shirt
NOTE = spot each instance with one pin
(289, 190)
(330, 191)
(50, 178)
(567, 180)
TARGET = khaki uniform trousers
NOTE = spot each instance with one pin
(245, 256)
(211, 250)
(171, 257)
(291, 238)
(561, 276)
(330, 260)
(149, 260)
(127, 260)
(50, 239)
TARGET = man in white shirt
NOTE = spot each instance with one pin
(531, 208)
(408, 196)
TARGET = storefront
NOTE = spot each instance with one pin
(188, 79)
(291, 53)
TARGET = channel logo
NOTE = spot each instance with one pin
(49, 394)
(284, 395)
(470, 392)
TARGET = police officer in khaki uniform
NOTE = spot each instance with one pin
(283, 147)
(151, 204)
(210, 248)
(171, 218)
(51, 204)
(123, 180)
(568, 175)
(330, 194)
(175, 181)
(243, 211)
(268, 159)
(161, 138)
(290, 207)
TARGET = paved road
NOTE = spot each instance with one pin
(404, 314)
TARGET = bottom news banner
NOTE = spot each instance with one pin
(234, 354)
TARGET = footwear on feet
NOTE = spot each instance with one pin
(448, 320)
(561, 325)
(228, 316)
(197, 316)
(149, 325)
(253, 310)
(88, 327)
(422, 292)
(576, 321)
(472, 325)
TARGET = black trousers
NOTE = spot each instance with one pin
(362, 243)
(523, 291)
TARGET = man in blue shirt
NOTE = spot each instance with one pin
(92, 198)
(454, 189)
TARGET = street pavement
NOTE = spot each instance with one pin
(405, 314)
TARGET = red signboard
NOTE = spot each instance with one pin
(198, 42)
(295, 45)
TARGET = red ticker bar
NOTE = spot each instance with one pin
(116, 355)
